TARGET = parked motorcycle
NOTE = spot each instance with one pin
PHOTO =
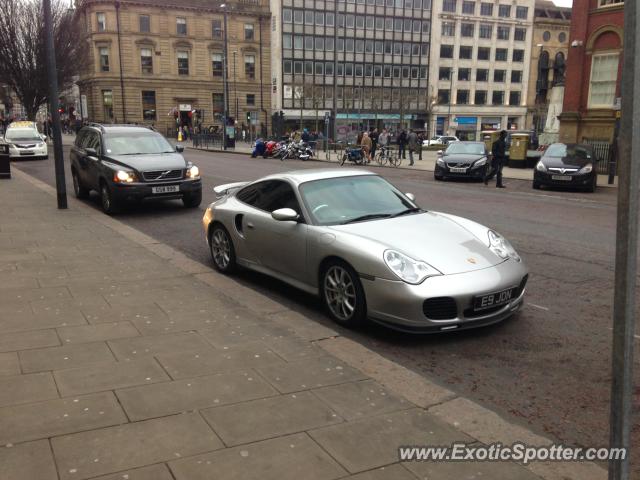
(355, 155)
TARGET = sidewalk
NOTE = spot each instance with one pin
(120, 358)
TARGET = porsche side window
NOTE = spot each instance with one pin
(276, 195)
(250, 195)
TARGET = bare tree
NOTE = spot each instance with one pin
(22, 50)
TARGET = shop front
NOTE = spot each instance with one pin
(466, 128)
(490, 123)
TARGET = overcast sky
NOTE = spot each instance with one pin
(563, 3)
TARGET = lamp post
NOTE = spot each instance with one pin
(451, 72)
(61, 188)
(225, 87)
(124, 113)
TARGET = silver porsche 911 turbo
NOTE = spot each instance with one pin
(367, 249)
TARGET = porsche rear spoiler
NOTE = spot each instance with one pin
(227, 188)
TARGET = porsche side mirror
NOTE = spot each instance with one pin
(410, 196)
(179, 148)
(285, 215)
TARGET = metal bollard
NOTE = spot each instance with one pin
(5, 161)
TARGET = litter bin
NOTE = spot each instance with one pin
(488, 137)
(518, 150)
(5, 162)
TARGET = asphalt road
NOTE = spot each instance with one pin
(549, 367)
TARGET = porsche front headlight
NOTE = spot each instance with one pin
(407, 269)
(501, 246)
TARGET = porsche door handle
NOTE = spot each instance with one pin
(250, 225)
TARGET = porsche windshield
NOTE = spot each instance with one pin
(342, 200)
(136, 143)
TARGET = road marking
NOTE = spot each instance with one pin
(538, 306)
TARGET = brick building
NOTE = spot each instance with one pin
(172, 55)
(594, 70)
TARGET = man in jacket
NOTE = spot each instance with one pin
(402, 144)
(412, 141)
(498, 160)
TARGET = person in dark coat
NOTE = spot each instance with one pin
(402, 144)
(498, 159)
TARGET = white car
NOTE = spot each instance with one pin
(25, 141)
(440, 140)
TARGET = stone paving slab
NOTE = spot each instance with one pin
(241, 357)
(139, 347)
(12, 342)
(67, 356)
(35, 421)
(98, 452)
(43, 320)
(153, 472)
(373, 442)
(310, 373)
(28, 461)
(167, 398)
(9, 364)
(270, 417)
(165, 324)
(17, 389)
(298, 457)
(32, 294)
(97, 333)
(395, 472)
(97, 378)
(361, 399)
(104, 313)
(471, 471)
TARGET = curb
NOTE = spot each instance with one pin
(463, 414)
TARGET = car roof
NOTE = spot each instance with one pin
(120, 128)
(298, 177)
(573, 145)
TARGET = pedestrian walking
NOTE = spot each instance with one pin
(412, 142)
(374, 141)
(366, 146)
(498, 159)
(402, 144)
(420, 144)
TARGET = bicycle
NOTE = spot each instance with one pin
(383, 155)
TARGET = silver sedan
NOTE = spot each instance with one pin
(367, 249)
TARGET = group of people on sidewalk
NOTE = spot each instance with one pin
(410, 141)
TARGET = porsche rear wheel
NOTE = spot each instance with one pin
(343, 295)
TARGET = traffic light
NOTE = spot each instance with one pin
(248, 117)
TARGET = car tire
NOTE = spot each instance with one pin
(78, 189)
(110, 206)
(344, 278)
(536, 185)
(439, 178)
(223, 253)
(192, 200)
(592, 188)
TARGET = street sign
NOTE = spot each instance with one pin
(327, 117)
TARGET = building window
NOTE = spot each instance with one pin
(516, 76)
(501, 54)
(146, 60)
(484, 53)
(604, 75)
(287, 67)
(504, 11)
(464, 74)
(486, 31)
(216, 28)
(449, 5)
(218, 102)
(287, 41)
(328, 68)
(319, 68)
(604, 3)
(518, 55)
(387, 71)
(308, 67)
(216, 64)
(104, 59)
(480, 97)
(443, 97)
(444, 73)
(319, 44)
(514, 98)
(503, 32)
(308, 42)
(298, 17)
(465, 52)
(181, 26)
(486, 9)
(298, 42)
(466, 29)
(328, 44)
(377, 71)
(468, 8)
(248, 31)
(520, 34)
(448, 29)
(107, 104)
(562, 37)
(462, 97)
(499, 76)
(320, 18)
(497, 98)
(522, 12)
(446, 51)
(297, 68)
(102, 24)
(546, 36)
(287, 15)
(183, 63)
(144, 23)
(329, 19)
(250, 66)
(148, 105)
(309, 17)
(251, 99)
(482, 75)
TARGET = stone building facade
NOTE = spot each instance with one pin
(162, 62)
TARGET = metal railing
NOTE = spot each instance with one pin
(207, 140)
(605, 164)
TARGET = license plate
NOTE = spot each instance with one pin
(166, 189)
(563, 178)
(457, 170)
(496, 299)
(26, 153)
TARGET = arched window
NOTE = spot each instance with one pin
(558, 69)
(542, 84)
